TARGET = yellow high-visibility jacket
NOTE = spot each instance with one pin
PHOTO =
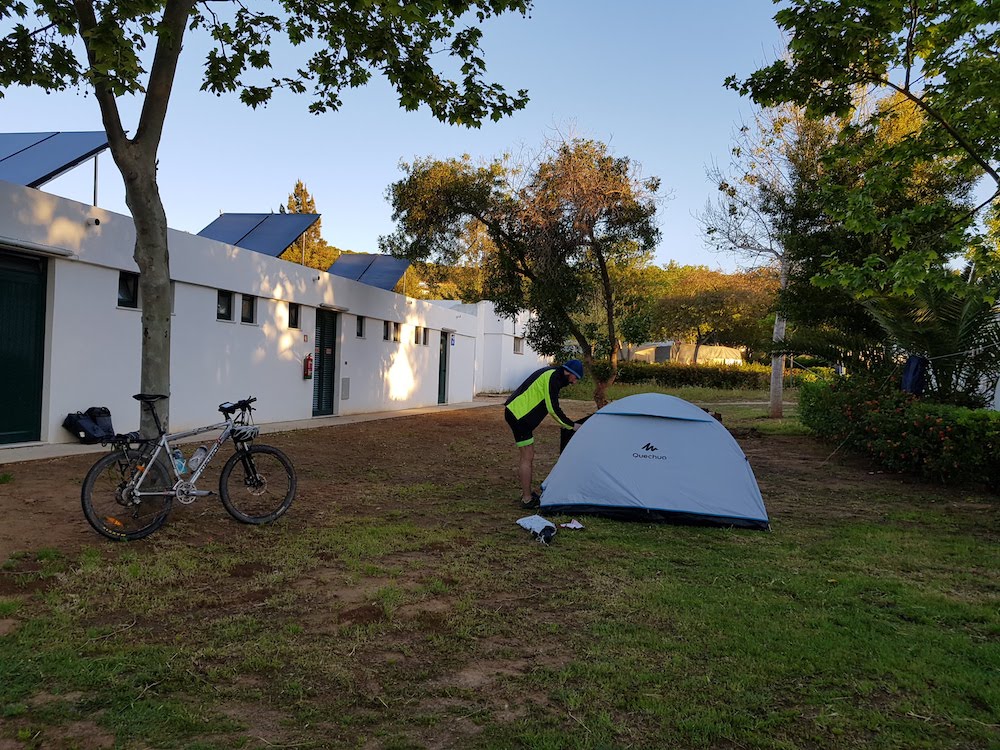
(537, 396)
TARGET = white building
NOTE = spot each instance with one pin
(243, 324)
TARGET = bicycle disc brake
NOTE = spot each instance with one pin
(256, 485)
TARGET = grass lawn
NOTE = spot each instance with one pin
(399, 606)
(742, 408)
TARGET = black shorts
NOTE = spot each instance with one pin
(522, 434)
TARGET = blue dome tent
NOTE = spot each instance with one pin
(654, 457)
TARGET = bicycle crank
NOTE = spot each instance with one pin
(187, 493)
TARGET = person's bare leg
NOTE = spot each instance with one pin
(526, 460)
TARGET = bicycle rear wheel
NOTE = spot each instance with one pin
(109, 506)
(257, 485)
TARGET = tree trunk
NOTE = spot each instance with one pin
(777, 410)
(138, 167)
(777, 370)
(601, 387)
(153, 258)
(601, 392)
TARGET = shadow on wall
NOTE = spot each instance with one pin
(65, 224)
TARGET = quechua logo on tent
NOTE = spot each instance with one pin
(649, 452)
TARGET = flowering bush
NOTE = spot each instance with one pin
(901, 433)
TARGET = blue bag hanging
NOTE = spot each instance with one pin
(914, 374)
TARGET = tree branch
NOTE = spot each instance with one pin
(110, 116)
(908, 53)
(609, 299)
(937, 117)
(163, 71)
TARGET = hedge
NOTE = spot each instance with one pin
(673, 375)
(899, 432)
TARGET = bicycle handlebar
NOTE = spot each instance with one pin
(229, 407)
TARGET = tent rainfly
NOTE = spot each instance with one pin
(654, 457)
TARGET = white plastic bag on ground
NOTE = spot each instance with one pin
(540, 528)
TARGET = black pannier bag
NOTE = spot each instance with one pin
(91, 426)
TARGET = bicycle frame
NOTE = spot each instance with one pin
(164, 443)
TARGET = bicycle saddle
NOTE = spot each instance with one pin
(148, 398)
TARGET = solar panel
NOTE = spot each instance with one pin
(11, 143)
(382, 271)
(270, 234)
(385, 272)
(351, 265)
(32, 159)
(231, 228)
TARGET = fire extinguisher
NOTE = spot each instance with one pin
(307, 367)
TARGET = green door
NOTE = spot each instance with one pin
(22, 333)
(443, 369)
(324, 363)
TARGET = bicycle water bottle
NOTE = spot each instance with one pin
(179, 463)
(197, 457)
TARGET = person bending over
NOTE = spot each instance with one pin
(537, 396)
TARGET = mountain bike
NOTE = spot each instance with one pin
(129, 492)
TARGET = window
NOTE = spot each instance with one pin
(224, 311)
(293, 315)
(426, 337)
(360, 326)
(518, 345)
(390, 331)
(248, 309)
(416, 334)
(128, 289)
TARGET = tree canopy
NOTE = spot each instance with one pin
(559, 229)
(710, 307)
(311, 249)
(890, 214)
(940, 56)
(131, 48)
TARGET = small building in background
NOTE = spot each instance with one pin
(685, 354)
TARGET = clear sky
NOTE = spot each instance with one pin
(644, 76)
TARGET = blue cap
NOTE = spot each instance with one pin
(574, 366)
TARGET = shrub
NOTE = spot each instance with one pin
(902, 433)
(672, 375)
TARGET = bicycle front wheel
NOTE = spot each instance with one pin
(257, 485)
(110, 505)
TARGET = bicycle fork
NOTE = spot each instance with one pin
(251, 478)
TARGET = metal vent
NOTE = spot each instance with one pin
(345, 389)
